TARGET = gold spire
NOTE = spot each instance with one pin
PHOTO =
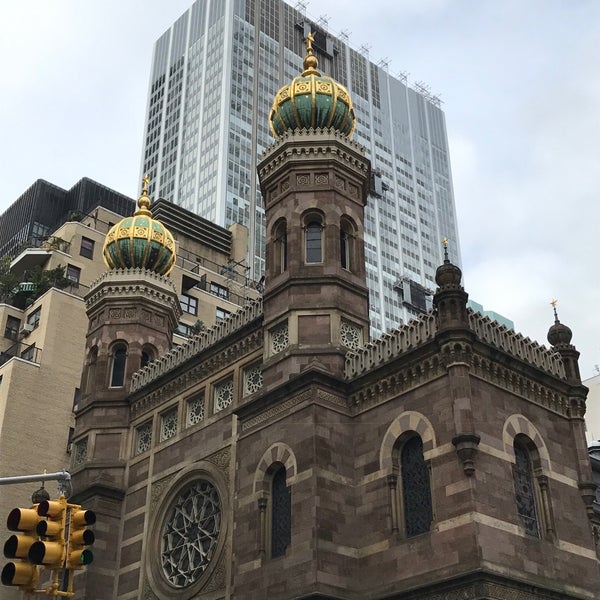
(144, 200)
(554, 303)
(310, 60)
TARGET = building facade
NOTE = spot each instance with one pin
(207, 127)
(43, 329)
(282, 455)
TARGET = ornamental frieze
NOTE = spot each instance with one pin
(398, 383)
(276, 410)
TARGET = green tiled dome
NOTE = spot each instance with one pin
(140, 242)
(312, 100)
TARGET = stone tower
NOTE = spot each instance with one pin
(133, 310)
(315, 183)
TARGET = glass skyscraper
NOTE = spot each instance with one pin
(214, 74)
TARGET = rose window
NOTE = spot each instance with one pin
(190, 533)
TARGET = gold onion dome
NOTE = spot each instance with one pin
(312, 100)
(140, 242)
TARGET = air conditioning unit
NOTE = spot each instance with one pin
(26, 329)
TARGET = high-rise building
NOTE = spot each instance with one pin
(44, 207)
(214, 73)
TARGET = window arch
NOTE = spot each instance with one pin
(412, 480)
(313, 239)
(280, 246)
(281, 513)
(525, 487)
(347, 234)
(118, 361)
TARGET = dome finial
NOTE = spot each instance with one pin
(554, 303)
(310, 60)
(144, 199)
(445, 245)
(558, 333)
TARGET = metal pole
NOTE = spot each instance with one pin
(63, 477)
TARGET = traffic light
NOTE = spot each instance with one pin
(22, 574)
(79, 537)
(50, 551)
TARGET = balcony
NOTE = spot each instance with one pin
(27, 352)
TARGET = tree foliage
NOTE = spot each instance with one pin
(41, 280)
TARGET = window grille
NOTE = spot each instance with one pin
(195, 410)
(253, 379)
(279, 338)
(416, 490)
(143, 437)
(281, 514)
(168, 425)
(80, 454)
(525, 491)
(223, 394)
(350, 335)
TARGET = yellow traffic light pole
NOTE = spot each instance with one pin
(53, 536)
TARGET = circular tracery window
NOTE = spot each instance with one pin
(190, 533)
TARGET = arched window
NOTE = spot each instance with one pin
(314, 242)
(525, 491)
(119, 358)
(90, 380)
(416, 488)
(148, 355)
(346, 244)
(280, 246)
(281, 514)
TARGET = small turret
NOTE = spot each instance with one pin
(450, 299)
(559, 336)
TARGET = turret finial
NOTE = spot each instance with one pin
(310, 61)
(554, 303)
(445, 244)
(144, 200)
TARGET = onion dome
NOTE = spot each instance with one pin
(312, 100)
(447, 274)
(559, 334)
(140, 242)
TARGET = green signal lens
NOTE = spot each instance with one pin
(87, 557)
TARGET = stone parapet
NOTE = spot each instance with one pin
(200, 342)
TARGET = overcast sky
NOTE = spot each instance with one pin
(520, 82)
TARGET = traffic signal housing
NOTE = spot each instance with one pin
(21, 573)
(50, 551)
(79, 537)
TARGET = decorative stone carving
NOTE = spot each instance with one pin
(148, 593)
(302, 179)
(322, 179)
(158, 491)
(277, 410)
(466, 447)
(221, 459)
